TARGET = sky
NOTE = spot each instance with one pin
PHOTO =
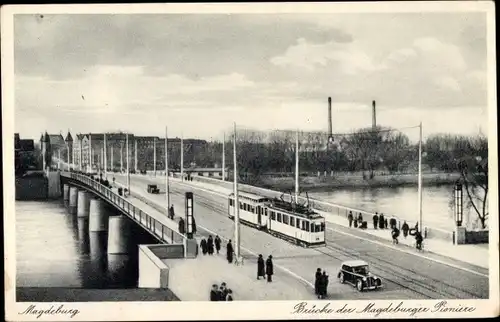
(200, 73)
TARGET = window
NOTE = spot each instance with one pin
(241, 205)
(231, 202)
(273, 215)
(279, 217)
(298, 223)
(265, 212)
(322, 226)
(285, 219)
(292, 221)
(253, 209)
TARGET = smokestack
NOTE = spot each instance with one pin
(329, 116)
(374, 115)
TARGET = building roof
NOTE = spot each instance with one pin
(56, 139)
(68, 138)
(248, 195)
(26, 145)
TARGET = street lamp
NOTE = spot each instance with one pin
(458, 204)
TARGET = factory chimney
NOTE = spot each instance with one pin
(329, 117)
(374, 116)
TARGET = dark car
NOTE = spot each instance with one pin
(152, 188)
(357, 274)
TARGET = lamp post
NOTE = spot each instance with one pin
(167, 187)
(420, 179)
(224, 157)
(236, 202)
(458, 204)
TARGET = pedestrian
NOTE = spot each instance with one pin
(418, 240)
(171, 212)
(355, 222)
(385, 223)
(392, 222)
(182, 228)
(214, 296)
(405, 228)
(210, 245)
(360, 219)
(375, 220)
(381, 221)
(224, 290)
(317, 277)
(217, 244)
(203, 245)
(260, 267)
(350, 218)
(229, 252)
(395, 235)
(229, 296)
(324, 285)
(269, 268)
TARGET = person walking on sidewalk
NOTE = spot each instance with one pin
(395, 235)
(360, 219)
(214, 296)
(317, 278)
(182, 228)
(323, 285)
(350, 218)
(260, 267)
(269, 268)
(217, 242)
(210, 245)
(405, 228)
(203, 245)
(229, 252)
(171, 212)
(381, 221)
(418, 240)
(375, 220)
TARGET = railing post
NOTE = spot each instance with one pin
(172, 236)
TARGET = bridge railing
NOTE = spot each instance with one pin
(154, 226)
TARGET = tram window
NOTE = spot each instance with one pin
(265, 212)
(241, 205)
(322, 226)
(292, 221)
(231, 202)
(298, 223)
(285, 219)
(279, 217)
(307, 226)
(253, 209)
(273, 215)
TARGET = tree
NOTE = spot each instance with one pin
(474, 177)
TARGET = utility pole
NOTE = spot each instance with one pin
(111, 168)
(224, 157)
(374, 116)
(58, 159)
(154, 157)
(105, 157)
(236, 201)
(135, 155)
(90, 152)
(128, 172)
(297, 167)
(421, 228)
(167, 187)
(121, 157)
(182, 157)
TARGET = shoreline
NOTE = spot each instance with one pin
(355, 181)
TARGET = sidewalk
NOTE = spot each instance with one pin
(192, 280)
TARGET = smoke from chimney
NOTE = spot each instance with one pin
(329, 116)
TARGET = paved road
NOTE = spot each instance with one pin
(405, 276)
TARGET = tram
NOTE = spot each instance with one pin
(290, 221)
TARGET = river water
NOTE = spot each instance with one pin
(401, 202)
(55, 249)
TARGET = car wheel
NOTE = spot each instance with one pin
(342, 278)
(359, 285)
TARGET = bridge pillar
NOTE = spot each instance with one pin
(73, 197)
(83, 204)
(98, 218)
(119, 235)
(65, 192)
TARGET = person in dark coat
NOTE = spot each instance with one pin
(223, 290)
(214, 296)
(392, 222)
(260, 267)
(324, 285)
(350, 218)
(385, 223)
(182, 228)
(217, 242)
(269, 268)
(395, 235)
(355, 222)
(210, 245)
(405, 228)
(381, 221)
(229, 252)
(360, 218)
(317, 277)
(418, 240)
(203, 245)
(171, 212)
(375, 220)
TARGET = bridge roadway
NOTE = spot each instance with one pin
(405, 276)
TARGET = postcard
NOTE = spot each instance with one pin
(300, 160)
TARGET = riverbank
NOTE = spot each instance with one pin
(355, 181)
